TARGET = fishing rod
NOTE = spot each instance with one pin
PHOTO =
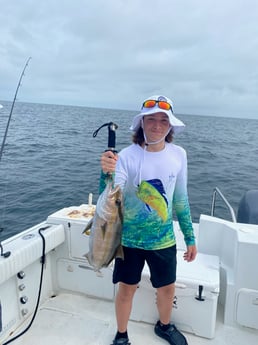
(10, 115)
(5, 255)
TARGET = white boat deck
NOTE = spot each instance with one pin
(71, 319)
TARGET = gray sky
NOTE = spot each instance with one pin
(202, 54)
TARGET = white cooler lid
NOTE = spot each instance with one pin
(75, 214)
(204, 270)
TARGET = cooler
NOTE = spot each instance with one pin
(75, 220)
(74, 272)
(196, 296)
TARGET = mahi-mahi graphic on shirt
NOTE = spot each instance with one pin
(152, 193)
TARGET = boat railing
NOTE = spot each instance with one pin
(215, 192)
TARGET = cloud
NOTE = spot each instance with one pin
(115, 53)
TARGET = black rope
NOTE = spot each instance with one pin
(43, 259)
(105, 124)
(112, 127)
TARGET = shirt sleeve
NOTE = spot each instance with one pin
(119, 176)
(102, 181)
(181, 204)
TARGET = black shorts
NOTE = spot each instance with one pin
(162, 265)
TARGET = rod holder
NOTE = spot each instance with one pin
(6, 254)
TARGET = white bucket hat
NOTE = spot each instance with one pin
(177, 124)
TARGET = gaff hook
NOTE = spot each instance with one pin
(112, 127)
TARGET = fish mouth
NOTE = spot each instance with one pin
(116, 193)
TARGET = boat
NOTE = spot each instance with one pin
(49, 294)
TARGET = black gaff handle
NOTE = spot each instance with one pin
(112, 127)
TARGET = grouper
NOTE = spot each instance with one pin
(105, 228)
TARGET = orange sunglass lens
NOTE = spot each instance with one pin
(149, 104)
(164, 105)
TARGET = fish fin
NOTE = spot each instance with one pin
(148, 207)
(97, 270)
(120, 252)
(87, 256)
(158, 185)
(108, 263)
(104, 228)
(86, 231)
(99, 274)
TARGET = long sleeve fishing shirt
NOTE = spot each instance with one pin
(154, 186)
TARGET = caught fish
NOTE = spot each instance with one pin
(153, 195)
(106, 228)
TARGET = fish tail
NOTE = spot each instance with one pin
(88, 257)
(86, 231)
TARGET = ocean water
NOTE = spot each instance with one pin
(51, 159)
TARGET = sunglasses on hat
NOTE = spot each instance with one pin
(161, 104)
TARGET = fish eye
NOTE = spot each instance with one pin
(118, 202)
